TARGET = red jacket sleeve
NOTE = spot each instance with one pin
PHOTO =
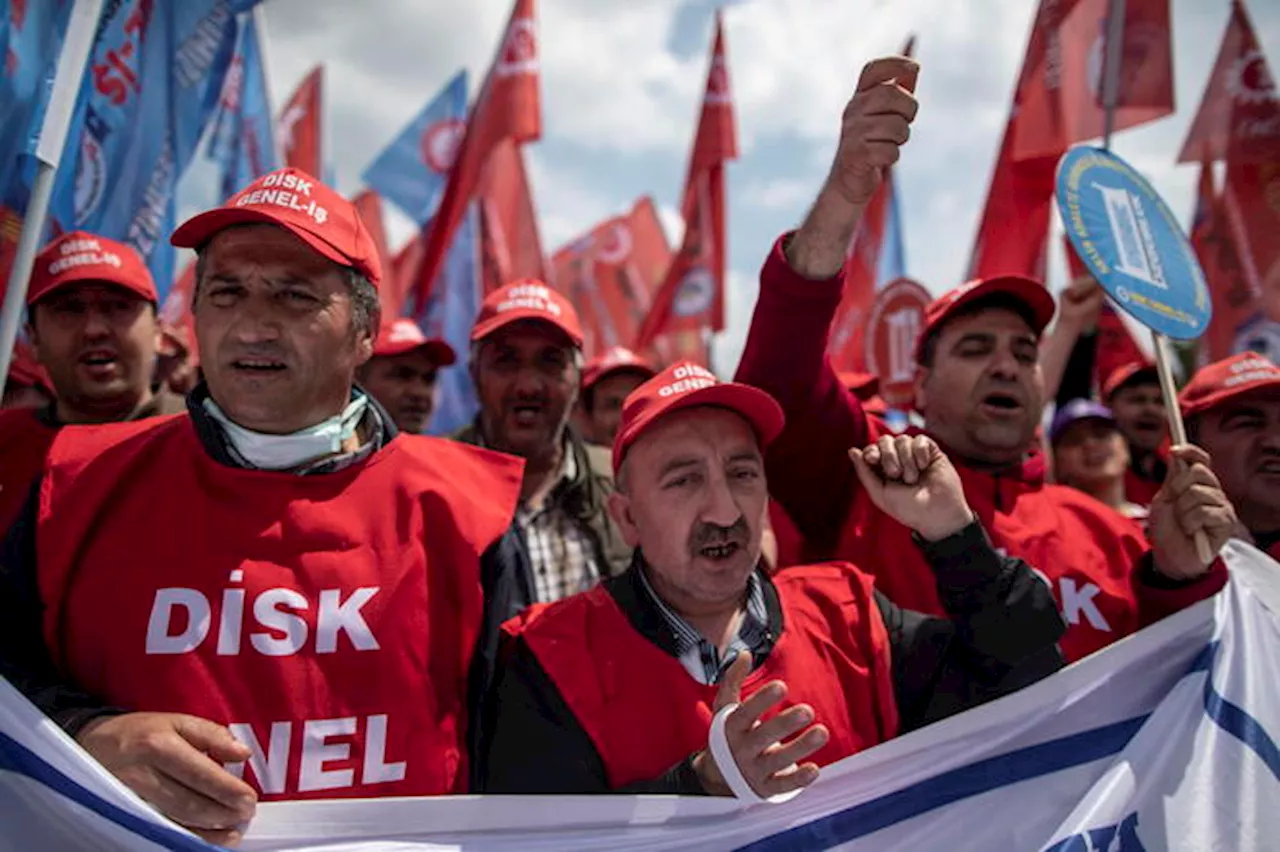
(786, 355)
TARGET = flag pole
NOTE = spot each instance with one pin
(49, 149)
(259, 22)
(1159, 343)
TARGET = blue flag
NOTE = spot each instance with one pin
(449, 313)
(242, 139)
(30, 41)
(411, 172)
(153, 81)
(893, 261)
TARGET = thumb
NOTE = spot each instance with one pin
(731, 684)
(869, 478)
(211, 738)
(910, 77)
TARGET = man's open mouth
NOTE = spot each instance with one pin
(258, 365)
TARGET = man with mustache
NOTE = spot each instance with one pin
(274, 595)
(401, 375)
(615, 689)
(526, 362)
(92, 323)
(980, 389)
(1132, 392)
(1232, 409)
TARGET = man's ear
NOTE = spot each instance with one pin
(619, 505)
(918, 384)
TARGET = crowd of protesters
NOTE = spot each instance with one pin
(252, 578)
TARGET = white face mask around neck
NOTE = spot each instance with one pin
(282, 452)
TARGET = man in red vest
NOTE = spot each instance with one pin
(401, 375)
(93, 327)
(980, 390)
(274, 595)
(615, 689)
(1232, 409)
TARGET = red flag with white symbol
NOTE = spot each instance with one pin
(507, 108)
(299, 125)
(691, 298)
(510, 246)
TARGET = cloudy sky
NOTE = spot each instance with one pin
(621, 82)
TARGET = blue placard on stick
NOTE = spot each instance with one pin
(1130, 241)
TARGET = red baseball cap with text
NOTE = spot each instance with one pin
(1028, 291)
(618, 359)
(79, 256)
(404, 335)
(300, 204)
(1227, 379)
(527, 299)
(686, 385)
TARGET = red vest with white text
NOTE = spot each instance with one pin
(24, 440)
(833, 653)
(328, 619)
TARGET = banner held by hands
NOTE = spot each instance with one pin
(1131, 242)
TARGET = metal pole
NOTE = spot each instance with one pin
(1111, 62)
(49, 148)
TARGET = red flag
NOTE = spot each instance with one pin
(404, 270)
(300, 123)
(691, 298)
(368, 206)
(1013, 234)
(510, 247)
(612, 273)
(507, 108)
(1235, 302)
(1239, 116)
(1251, 202)
(1060, 88)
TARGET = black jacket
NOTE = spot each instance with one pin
(25, 661)
(1001, 635)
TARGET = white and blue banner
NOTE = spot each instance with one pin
(1164, 741)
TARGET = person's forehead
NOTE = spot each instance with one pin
(702, 430)
(1141, 388)
(1266, 400)
(529, 334)
(620, 382)
(91, 289)
(989, 320)
(265, 245)
(418, 360)
(1088, 426)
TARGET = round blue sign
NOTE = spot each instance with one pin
(1130, 241)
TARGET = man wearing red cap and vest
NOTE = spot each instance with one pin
(615, 689)
(1232, 409)
(303, 618)
(92, 323)
(980, 390)
(526, 362)
(401, 375)
(607, 381)
(1132, 392)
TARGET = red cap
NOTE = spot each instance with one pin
(1226, 379)
(527, 299)
(1126, 373)
(403, 335)
(616, 360)
(1028, 291)
(686, 385)
(300, 204)
(80, 256)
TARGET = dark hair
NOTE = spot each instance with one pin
(366, 309)
(1001, 301)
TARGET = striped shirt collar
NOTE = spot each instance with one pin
(701, 658)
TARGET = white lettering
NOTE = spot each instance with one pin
(271, 768)
(316, 753)
(230, 623)
(159, 638)
(294, 628)
(376, 769)
(1077, 601)
(335, 617)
